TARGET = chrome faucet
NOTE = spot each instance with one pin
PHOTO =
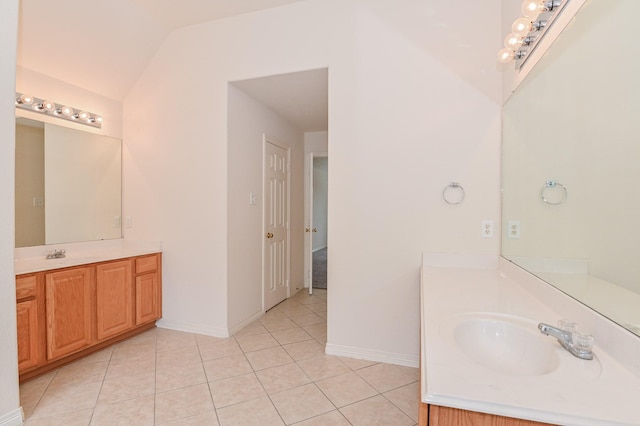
(56, 254)
(577, 344)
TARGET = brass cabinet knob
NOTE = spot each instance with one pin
(269, 235)
(307, 230)
(315, 229)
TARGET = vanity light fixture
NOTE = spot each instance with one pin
(528, 30)
(47, 107)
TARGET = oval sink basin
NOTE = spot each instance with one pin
(502, 343)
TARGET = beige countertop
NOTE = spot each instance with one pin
(33, 259)
(601, 392)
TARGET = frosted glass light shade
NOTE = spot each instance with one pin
(532, 8)
(506, 55)
(513, 41)
(48, 105)
(521, 26)
(26, 99)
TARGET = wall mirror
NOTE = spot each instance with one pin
(571, 164)
(68, 185)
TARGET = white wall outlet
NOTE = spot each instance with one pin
(129, 221)
(38, 201)
(513, 229)
(487, 229)
(116, 222)
(253, 199)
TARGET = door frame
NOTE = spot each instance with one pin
(308, 216)
(265, 140)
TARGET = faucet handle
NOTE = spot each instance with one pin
(582, 342)
(567, 325)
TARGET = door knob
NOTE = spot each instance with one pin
(269, 235)
(307, 230)
(315, 229)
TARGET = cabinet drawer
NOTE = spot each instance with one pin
(146, 264)
(25, 287)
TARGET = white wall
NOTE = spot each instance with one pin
(402, 126)
(320, 197)
(248, 121)
(9, 397)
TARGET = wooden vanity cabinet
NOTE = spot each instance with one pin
(68, 301)
(30, 322)
(148, 292)
(436, 415)
(114, 298)
(64, 314)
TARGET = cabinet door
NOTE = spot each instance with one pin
(147, 302)
(114, 298)
(27, 334)
(68, 304)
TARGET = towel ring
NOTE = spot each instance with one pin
(449, 191)
(553, 184)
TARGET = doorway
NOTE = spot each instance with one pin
(316, 230)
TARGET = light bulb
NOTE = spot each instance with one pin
(506, 55)
(83, 115)
(513, 41)
(99, 119)
(68, 111)
(521, 26)
(26, 99)
(48, 106)
(531, 8)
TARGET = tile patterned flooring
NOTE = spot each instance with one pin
(272, 372)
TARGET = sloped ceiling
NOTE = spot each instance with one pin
(104, 45)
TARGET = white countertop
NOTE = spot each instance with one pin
(575, 394)
(33, 259)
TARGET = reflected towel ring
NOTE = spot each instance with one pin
(553, 184)
(449, 191)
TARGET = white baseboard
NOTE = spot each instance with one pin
(12, 418)
(193, 328)
(373, 355)
(233, 330)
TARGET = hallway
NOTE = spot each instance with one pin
(272, 372)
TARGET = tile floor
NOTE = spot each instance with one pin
(272, 372)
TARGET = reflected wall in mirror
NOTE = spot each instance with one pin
(68, 185)
(574, 121)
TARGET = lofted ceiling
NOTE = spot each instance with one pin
(104, 45)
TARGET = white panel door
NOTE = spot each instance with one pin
(276, 224)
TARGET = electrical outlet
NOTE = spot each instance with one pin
(253, 199)
(513, 229)
(487, 229)
(129, 221)
(116, 222)
(38, 201)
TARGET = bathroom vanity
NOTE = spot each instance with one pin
(73, 306)
(484, 361)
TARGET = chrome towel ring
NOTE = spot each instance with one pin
(453, 193)
(550, 185)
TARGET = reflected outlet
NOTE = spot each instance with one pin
(513, 229)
